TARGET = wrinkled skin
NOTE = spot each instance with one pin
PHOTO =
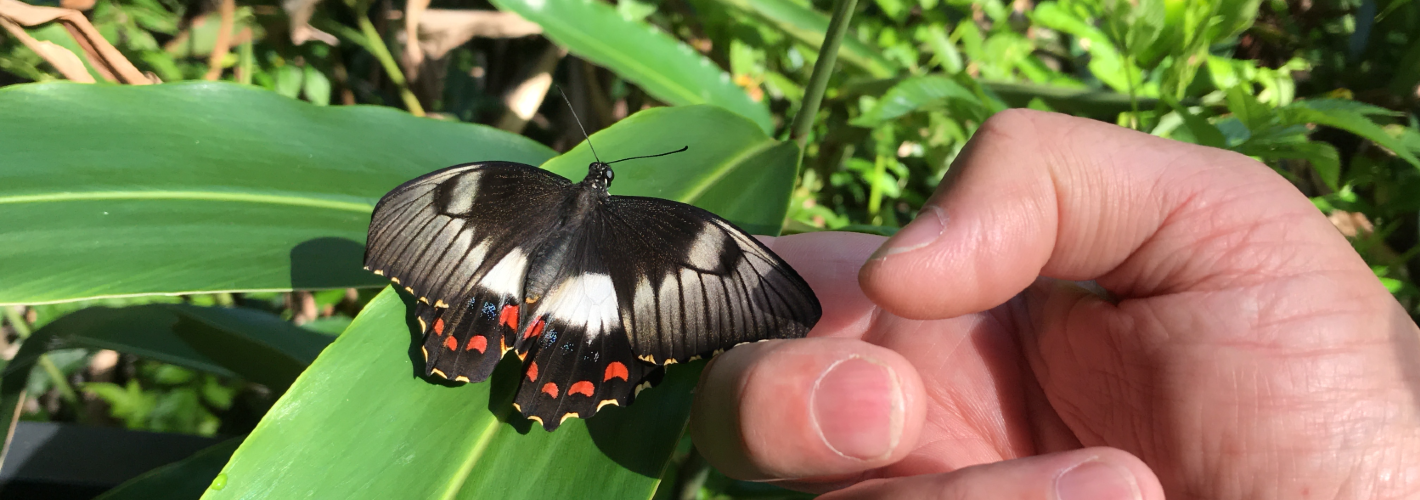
(1152, 316)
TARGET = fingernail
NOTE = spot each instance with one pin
(857, 405)
(922, 231)
(1096, 480)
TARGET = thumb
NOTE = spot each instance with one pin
(1086, 474)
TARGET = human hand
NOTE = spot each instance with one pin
(1243, 350)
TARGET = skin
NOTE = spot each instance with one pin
(1082, 311)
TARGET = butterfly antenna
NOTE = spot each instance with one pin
(651, 156)
(579, 123)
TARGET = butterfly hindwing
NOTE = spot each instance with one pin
(574, 372)
(464, 344)
(444, 237)
(577, 359)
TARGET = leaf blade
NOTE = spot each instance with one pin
(664, 67)
(144, 204)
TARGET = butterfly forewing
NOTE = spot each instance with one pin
(455, 238)
(704, 286)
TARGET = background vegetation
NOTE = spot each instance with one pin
(1327, 92)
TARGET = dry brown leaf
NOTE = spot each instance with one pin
(1351, 224)
(442, 30)
(77, 4)
(184, 37)
(223, 45)
(524, 100)
(299, 12)
(60, 58)
(102, 56)
(413, 56)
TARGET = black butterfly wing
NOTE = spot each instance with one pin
(572, 338)
(706, 285)
(644, 282)
(458, 239)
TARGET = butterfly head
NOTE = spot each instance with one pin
(599, 175)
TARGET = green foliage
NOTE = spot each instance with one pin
(176, 400)
(138, 193)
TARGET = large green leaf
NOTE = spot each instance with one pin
(133, 190)
(362, 423)
(664, 67)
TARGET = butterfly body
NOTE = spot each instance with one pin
(593, 292)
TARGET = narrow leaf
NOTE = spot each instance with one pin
(664, 67)
(911, 95)
(1350, 116)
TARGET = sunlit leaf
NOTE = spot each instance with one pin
(664, 67)
(1350, 116)
(913, 94)
(189, 187)
(809, 26)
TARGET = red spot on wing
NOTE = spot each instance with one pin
(439, 326)
(532, 371)
(451, 343)
(617, 370)
(550, 388)
(477, 343)
(535, 329)
(584, 388)
(509, 316)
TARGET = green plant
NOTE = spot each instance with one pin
(257, 204)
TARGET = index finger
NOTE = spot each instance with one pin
(1043, 194)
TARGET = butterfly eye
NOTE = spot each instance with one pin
(609, 175)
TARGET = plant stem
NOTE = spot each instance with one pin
(224, 299)
(245, 60)
(693, 473)
(1133, 91)
(875, 190)
(376, 45)
(17, 321)
(61, 384)
(823, 68)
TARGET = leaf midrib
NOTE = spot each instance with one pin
(271, 199)
(734, 163)
(455, 485)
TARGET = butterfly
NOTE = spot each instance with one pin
(594, 293)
